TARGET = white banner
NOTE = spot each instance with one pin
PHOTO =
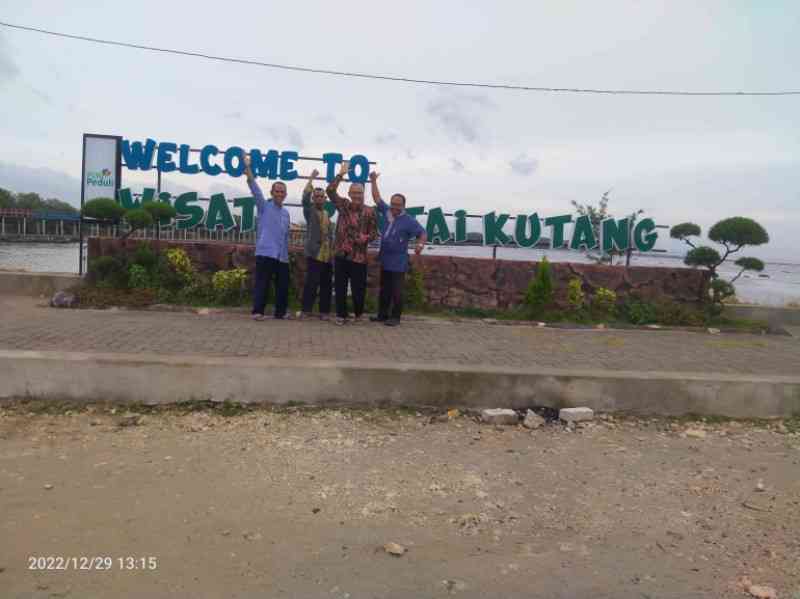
(99, 168)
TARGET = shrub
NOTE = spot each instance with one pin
(105, 209)
(604, 303)
(138, 277)
(539, 294)
(414, 290)
(108, 271)
(637, 311)
(229, 285)
(145, 257)
(179, 262)
(672, 313)
(575, 296)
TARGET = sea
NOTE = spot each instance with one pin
(778, 285)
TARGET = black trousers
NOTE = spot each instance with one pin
(268, 269)
(319, 276)
(355, 274)
(391, 294)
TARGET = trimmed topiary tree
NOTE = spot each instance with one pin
(138, 218)
(732, 234)
(103, 209)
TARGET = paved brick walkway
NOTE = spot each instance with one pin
(26, 326)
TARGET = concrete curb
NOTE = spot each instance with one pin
(164, 379)
(35, 284)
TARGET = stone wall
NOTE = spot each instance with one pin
(456, 282)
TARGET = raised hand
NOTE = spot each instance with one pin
(373, 176)
(247, 161)
(344, 168)
(314, 174)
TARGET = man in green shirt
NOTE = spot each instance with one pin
(318, 250)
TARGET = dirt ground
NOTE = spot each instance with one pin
(297, 503)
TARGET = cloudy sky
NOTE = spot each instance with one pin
(678, 158)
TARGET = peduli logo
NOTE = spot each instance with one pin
(100, 178)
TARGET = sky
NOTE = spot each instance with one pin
(679, 159)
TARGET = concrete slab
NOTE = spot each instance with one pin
(164, 379)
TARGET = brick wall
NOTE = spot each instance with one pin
(457, 282)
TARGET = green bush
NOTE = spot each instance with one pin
(604, 303)
(108, 271)
(145, 257)
(138, 277)
(230, 286)
(539, 294)
(637, 311)
(414, 290)
(672, 313)
(179, 263)
(576, 298)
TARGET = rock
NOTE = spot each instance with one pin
(781, 428)
(252, 536)
(203, 312)
(713, 331)
(760, 486)
(453, 586)
(48, 486)
(696, 433)
(128, 420)
(762, 592)
(575, 414)
(499, 416)
(532, 420)
(62, 299)
(394, 549)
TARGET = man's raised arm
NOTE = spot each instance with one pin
(376, 194)
(334, 196)
(307, 191)
(255, 189)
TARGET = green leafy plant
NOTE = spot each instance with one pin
(604, 303)
(107, 271)
(639, 312)
(144, 256)
(539, 294)
(576, 298)
(229, 286)
(180, 263)
(414, 291)
(138, 277)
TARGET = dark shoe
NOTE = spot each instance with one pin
(392, 322)
(377, 319)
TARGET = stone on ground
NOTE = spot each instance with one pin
(575, 414)
(499, 416)
(394, 549)
(532, 420)
(62, 299)
(762, 592)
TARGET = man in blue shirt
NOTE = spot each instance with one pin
(396, 229)
(272, 246)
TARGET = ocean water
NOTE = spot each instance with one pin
(778, 285)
